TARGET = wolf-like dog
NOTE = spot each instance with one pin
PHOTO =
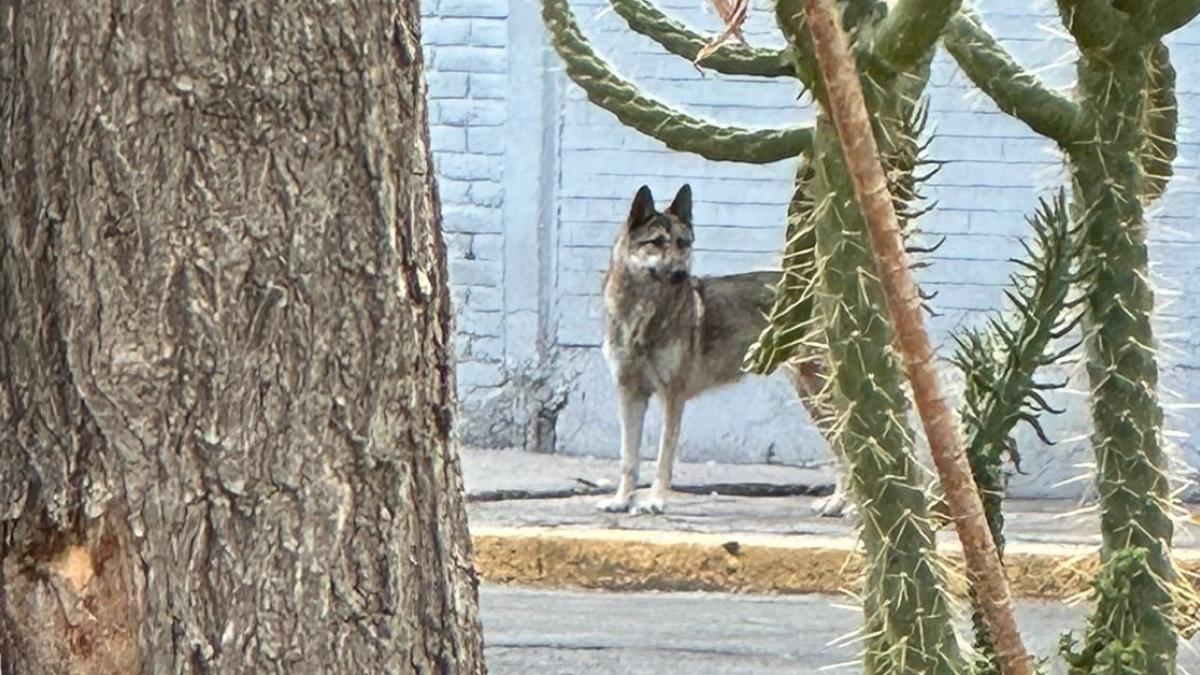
(672, 335)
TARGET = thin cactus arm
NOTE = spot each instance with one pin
(730, 58)
(1039, 313)
(910, 30)
(675, 129)
(1161, 123)
(999, 364)
(1015, 91)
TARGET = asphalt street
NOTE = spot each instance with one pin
(560, 632)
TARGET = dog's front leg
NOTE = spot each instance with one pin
(656, 501)
(633, 416)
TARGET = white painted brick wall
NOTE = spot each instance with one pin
(995, 169)
(467, 64)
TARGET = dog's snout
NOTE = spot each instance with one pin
(678, 276)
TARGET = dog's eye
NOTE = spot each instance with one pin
(685, 244)
(658, 242)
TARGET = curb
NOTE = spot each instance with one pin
(657, 560)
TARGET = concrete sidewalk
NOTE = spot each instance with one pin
(534, 522)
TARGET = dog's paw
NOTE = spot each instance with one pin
(650, 505)
(836, 505)
(614, 504)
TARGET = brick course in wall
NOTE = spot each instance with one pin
(994, 171)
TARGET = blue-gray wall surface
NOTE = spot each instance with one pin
(535, 181)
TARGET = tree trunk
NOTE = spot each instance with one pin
(224, 332)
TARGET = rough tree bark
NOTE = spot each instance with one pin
(224, 379)
(852, 120)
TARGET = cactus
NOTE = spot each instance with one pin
(675, 129)
(828, 294)
(908, 613)
(1118, 137)
(731, 59)
(907, 609)
(999, 365)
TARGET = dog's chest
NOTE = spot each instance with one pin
(651, 332)
(659, 365)
(651, 347)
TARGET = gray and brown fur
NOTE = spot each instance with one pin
(671, 335)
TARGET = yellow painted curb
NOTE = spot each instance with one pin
(629, 560)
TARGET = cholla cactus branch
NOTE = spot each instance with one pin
(910, 31)
(1132, 479)
(675, 129)
(1015, 91)
(730, 58)
(906, 607)
(907, 610)
(1160, 120)
(999, 366)
(849, 110)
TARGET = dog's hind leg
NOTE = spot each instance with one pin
(809, 379)
(633, 416)
(656, 501)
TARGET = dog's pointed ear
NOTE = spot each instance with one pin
(681, 207)
(642, 209)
